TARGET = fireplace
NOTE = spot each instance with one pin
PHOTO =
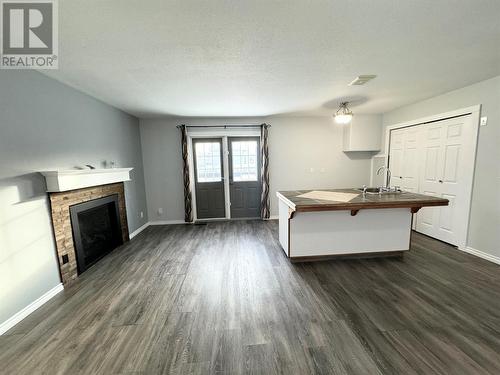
(88, 223)
(96, 229)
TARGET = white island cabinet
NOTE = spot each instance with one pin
(319, 224)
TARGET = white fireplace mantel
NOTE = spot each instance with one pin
(72, 179)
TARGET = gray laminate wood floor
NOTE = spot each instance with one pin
(222, 298)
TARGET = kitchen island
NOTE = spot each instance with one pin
(322, 224)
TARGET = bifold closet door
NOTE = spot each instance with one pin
(404, 159)
(442, 174)
(432, 159)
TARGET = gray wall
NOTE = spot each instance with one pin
(296, 144)
(484, 234)
(47, 125)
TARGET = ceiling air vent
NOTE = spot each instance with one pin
(361, 80)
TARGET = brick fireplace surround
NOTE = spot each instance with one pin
(61, 222)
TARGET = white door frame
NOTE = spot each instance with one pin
(475, 112)
(215, 133)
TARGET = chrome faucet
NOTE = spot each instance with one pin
(388, 180)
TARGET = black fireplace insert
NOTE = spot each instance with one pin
(96, 229)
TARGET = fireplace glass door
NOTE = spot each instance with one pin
(96, 229)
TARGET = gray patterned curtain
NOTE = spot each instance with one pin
(264, 172)
(188, 214)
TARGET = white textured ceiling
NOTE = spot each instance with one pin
(256, 58)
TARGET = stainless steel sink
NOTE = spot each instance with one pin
(376, 190)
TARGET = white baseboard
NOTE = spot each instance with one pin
(273, 217)
(166, 222)
(481, 254)
(139, 230)
(20, 315)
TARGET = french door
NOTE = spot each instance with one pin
(209, 178)
(237, 196)
(244, 177)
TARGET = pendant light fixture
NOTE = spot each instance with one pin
(343, 114)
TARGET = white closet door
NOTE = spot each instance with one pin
(404, 158)
(436, 159)
(431, 161)
(409, 167)
(396, 156)
(443, 175)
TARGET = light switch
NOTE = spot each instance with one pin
(483, 121)
(160, 211)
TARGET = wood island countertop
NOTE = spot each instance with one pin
(358, 201)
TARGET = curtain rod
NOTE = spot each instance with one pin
(225, 126)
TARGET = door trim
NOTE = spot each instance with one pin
(214, 133)
(475, 112)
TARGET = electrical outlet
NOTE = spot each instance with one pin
(160, 211)
(483, 121)
(142, 215)
(65, 259)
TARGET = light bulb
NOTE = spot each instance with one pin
(343, 118)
